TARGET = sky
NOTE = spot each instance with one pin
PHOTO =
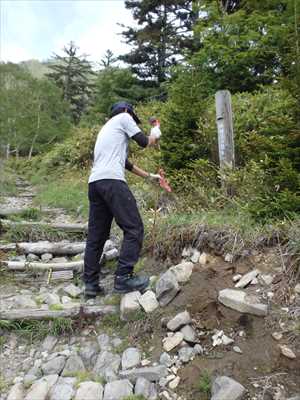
(35, 29)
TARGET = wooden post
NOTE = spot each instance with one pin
(225, 129)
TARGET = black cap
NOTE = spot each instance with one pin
(122, 105)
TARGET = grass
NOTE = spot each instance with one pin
(33, 233)
(29, 214)
(113, 300)
(112, 324)
(204, 384)
(83, 376)
(135, 397)
(56, 307)
(7, 182)
(3, 385)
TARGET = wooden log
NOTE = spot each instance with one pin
(5, 224)
(6, 212)
(67, 312)
(55, 248)
(37, 266)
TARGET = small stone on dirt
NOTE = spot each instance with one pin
(287, 352)
(198, 349)
(169, 343)
(277, 335)
(267, 279)
(182, 271)
(130, 305)
(240, 301)
(174, 383)
(131, 358)
(224, 388)
(72, 290)
(148, 301)
(236, 349)
(111, 254)
(246, 279)
(166, 288)
(203, 259)
(179, 320)
(236, 277)
(104, 342)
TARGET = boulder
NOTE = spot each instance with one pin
(104, 342)
(182, 271)
(49, 343)
(89, 353)
(145, 388)
(107, 365)
(129, 305)
(148, 301)
(54, 366)
(240, 301)
(16, 392)
(118, 390)
(73, 365)
(72, 290)
(131, 358)
(166, 288)
(62, 390)
(224, 388)
(89, 390)
(40, 389)
(179, 320)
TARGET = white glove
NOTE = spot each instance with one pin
(154, 178)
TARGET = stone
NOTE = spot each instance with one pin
(129, 305)
(54, 366)
(107, 365)
(104, 342)
(32, 257)
(166, 288)
(148, 301)
(236, 349)
(116, 342)
(169, 343)
(24, 301)
(277, 335)
(131, 358)
(195, 256)
(40, 389)
(182, 271)
(187, 252)
(236, 277)
(229, 257)
(72, 290)
(224, 388)
(287, 352)
(189, 334)
(21, 258)
(267, 279)
(290, 398)
(198, 349)
(89, 391)
(174, 383)
(73, 365)
(179, 320)
(186, 354)
(51, 298)
(297, 288)
(166, 359)
(111, 254)
(118, 390)
(46, 257)
(240, 301)
(62, 390)
(89, 353)
(16, 392)
(203, 259)
(247, 278)
(109, 245)
(66, 300)
(152, 374)
(145, 388)
(49, 343)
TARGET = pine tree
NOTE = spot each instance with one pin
(163, 34)
(73, 73)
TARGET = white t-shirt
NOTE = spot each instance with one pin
(111, 148)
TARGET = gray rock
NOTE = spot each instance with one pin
(290, 398)
(195, 256)
(73, 290)
(88, 353)
(24, 301)
(32, 375)
(131, 358)
(182, 271)
(54, 366)
(32, 257)
(40, 389)
(166, 288)
(198, 349)
(111, 254)
(49, 343)
(104, 342)
(118, 390)
(170, 342)
(116, 342)
(73, 365)
(20, 258)
(166, 359)
(89, 391)
(152, 374)
(62, 390)
(179, 320)
(224, 388)
(145, 388)
(129, 305)
(107, 365)
(148, 301)
(267, 278)
(186, 354)
(109, 245)
(51, 298)
(189, 334)
(16, 392)
(240, 301)
(66, 300)
(246, 279)
(46, 257)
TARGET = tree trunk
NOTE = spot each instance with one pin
(38, 266)
(55, 248)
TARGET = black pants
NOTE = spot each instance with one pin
(110, 198)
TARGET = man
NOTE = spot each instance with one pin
(110, 197)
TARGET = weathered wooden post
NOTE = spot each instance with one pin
(225, 134)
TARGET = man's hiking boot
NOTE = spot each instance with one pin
(93, 290)
(130, 283)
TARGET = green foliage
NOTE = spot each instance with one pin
(23, 233)
(135, 397)
(204, 384)
(7, 181)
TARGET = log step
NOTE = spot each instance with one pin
(38, 266)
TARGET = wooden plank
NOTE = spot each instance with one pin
(67, 312)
